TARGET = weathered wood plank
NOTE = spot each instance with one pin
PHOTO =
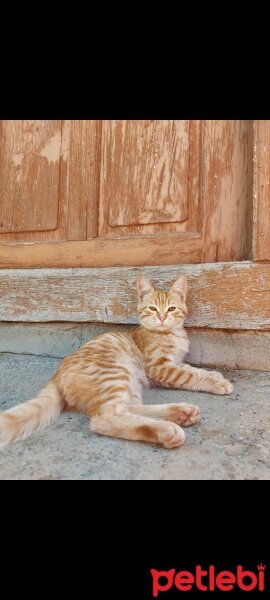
(261, 191)
(221, 296)
(85, 142)
(162, 249)
(225, 189)
(194, 221)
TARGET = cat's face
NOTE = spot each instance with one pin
(162, 310)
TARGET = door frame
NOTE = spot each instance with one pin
(261, 191)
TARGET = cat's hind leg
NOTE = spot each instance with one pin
(112, 416)
(117, 421)
(183, 414)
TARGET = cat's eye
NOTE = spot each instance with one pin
(152, 308)
(171, 308)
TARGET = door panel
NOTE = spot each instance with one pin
(148, 184)
(30, 160)
(144, 174)
(33, 179)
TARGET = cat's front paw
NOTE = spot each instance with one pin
(220, 385)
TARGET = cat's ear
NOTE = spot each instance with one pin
(143, 286)
(180, 287)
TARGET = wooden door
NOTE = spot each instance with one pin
(119, 193)
(141, 196)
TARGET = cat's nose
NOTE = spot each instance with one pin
(162, 318)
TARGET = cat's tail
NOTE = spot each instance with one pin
(19, 422)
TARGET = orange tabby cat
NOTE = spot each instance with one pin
(105, 377)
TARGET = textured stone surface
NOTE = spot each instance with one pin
(50, 339)
(232, 440)
(46, 339)
(230, 349)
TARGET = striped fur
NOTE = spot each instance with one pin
(105, 378)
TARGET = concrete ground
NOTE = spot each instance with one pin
(232, 440)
